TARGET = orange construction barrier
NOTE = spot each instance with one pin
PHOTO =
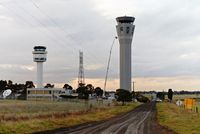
(189, 103)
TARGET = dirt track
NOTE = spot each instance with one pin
(141, 120)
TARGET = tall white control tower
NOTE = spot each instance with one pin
(125, 30)
(39, 56)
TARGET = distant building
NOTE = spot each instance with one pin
(49, 93)
(44, 93)
(41, 93)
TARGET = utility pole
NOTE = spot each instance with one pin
(134, 86)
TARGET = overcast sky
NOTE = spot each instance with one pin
(165, 48)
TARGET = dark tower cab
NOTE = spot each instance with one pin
(39, 48)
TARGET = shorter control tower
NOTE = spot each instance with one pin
(39, 56)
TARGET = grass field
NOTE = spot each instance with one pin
(177, 96)
(19, 117)
(178, 119)
(9, 108)
(181, 97)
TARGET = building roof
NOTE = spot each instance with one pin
(39, 47)
(125, 19)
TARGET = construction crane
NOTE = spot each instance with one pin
(108, 65)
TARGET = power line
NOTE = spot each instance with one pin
(52, 20)
(25, 21)
(44, 27)
(53, 34)
(56, 36)
(58, 26)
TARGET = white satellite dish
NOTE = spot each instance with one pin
(6, 93)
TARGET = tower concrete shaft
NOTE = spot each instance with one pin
(39, 56)
(125, 30)
(39, 75)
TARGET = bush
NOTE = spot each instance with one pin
(142, 98)
(170, 94)
(83, 93)
(161, 95)
(123, 95)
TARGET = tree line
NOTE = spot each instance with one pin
(15, 87)
(83, 90)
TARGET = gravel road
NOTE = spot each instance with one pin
(141, 120)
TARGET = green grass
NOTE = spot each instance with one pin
(9, 108)
(51, 115)
(178, 119)
(183, 96)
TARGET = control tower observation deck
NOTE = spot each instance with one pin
(39, 54)
(125, 19)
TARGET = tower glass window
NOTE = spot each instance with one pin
(127, 30)
(121, 29)
(132, 30)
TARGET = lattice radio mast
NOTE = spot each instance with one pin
(81, 78)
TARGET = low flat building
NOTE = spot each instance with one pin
(44, 93)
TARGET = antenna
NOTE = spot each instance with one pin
(108, 65)
(6, 93)
(81, 78)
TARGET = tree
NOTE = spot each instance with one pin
(161, 95)
(81, 84)
(67, 86)
(3, 85)
(123, 95)
(29, 84)
(133, 94)
(22, 88)
(48, 85)
(98, 91)
(170, 94)
(10, 84)
(83, 93)
(90, 88)
(141, 98)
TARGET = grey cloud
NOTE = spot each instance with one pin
(160, 39)
(163, 33)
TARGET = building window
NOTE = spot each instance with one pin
(121, 29)
(50, 92)
(127, 30)
(29, 92)
(132, 30)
